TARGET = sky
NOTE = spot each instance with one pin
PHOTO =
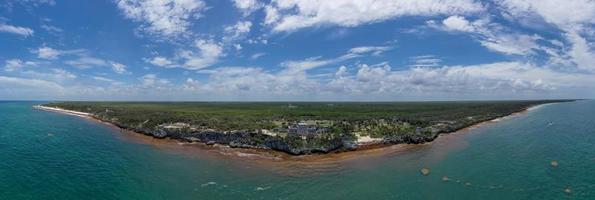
(296, 50)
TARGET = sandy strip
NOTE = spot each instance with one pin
(64, 111)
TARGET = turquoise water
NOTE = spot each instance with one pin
(46, 155)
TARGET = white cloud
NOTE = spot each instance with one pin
(425, 61)
(290, 15)
(491, 35)
(581, 52)
(512, 44)
(192, 85)
(51, 29)
(152, 81)
(495, 79)
(238, 47)
(22, 31)
(160, 61)
(575, 18)
(342, 72)
(23, 88)
(257, 55)
(16, 64)
(82, 58)
(208, 54)
(553, 11)
(247, 7)
(375, 50)
(24, 68)
(100, 78)
(381, 82)
(458, 23)
(168, 18)
(119, 67)
(367, 73)
(85, 62)
(239, 81)
(293, 66)
(272, 14)
(237, 31)
(54, 74)
(38, 2)
(258, 40)
(63, 73)
(47, 53)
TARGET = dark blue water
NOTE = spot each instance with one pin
(45, 155)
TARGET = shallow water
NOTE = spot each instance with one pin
(45, 155)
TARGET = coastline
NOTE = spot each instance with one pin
(367, 146)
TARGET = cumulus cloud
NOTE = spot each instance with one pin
(458, 23)
(502, 78)
(358, 82)
(160, 61)
(247, 7)
(22, 31)
(167, 18)
(291, 15)
(369, 82)
(47, 53)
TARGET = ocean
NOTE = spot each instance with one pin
(47, 155)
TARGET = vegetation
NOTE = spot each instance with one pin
(393, 121)
(248, 116)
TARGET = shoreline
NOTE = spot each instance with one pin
(363, 147)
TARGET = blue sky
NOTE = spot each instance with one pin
(296, 50)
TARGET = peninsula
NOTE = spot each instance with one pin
(299, 127)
